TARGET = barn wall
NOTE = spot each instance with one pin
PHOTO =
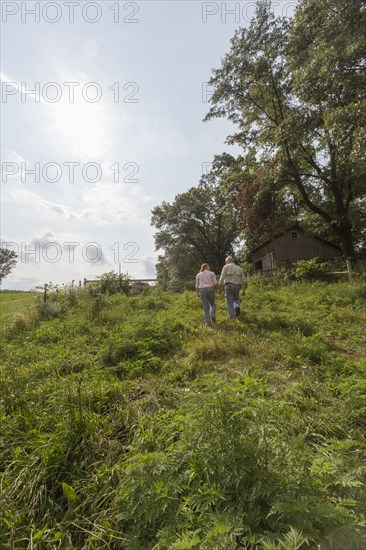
(264, 250)
(284, 250)
(268, 265)
(305, 247)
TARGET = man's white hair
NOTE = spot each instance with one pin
(229, 260)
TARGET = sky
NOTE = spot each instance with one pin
(102, 107)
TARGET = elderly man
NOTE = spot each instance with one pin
(233, 277)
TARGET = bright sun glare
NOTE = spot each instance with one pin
(83, 126)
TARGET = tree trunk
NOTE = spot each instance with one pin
(344, 232)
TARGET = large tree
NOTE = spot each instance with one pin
(8, 259)
(296, 90)
(264, 204)
(196, 227)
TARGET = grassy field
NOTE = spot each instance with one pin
(127, 425)
(13, 303)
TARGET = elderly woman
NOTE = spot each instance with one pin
(205, 288)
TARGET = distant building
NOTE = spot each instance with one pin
(291, 246)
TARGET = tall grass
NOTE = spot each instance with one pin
(127, 425)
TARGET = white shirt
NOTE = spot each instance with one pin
(205, 279)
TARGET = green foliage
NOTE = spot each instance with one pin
(307, 270)
(196, 227)
(280, 277)
(145, 342)
(14, 304)
(293, 540)
(295, 89)
(235, 472)
(113, 283)
(139, 429)
(8, 260)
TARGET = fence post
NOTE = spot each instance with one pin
(45, 293)
(349, 269)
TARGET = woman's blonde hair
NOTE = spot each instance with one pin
(204, 266)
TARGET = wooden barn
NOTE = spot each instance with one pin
(287, 248)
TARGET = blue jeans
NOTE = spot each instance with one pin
(207, 296)
(232, 298)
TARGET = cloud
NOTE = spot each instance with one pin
(12, 87)
(149, 265)
(52, 248)
(19, 282)
(42, 206)
(90, 47)
(10, 155)
(100, 204)
(116, 204)
(12, 166)
(155, 138)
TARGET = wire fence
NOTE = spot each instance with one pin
(19, 309)
(16, 312)
(13, 302)
(348, 271)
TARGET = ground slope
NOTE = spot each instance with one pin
(127, 425)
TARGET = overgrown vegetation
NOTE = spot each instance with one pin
(13, 302)
(112, 283)
(131, 426)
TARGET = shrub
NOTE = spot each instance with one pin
(280, 277)
(308, 270)
(112, 283)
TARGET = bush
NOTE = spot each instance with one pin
(112, 283)
(280, 277)
(309, 270)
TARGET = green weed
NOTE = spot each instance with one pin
(131, 426)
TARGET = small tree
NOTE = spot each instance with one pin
(112, 283)
(307, 270)
(198, 226)
(8, 259)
